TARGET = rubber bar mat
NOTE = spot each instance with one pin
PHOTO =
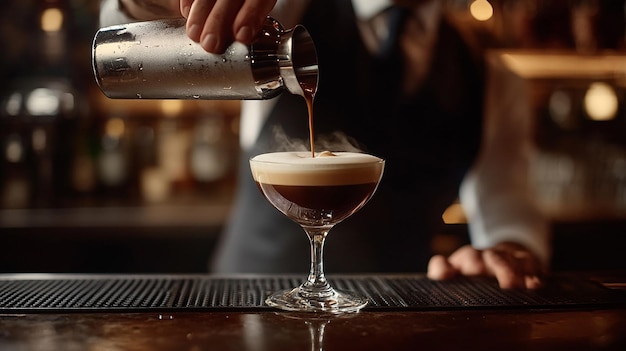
(66, 293)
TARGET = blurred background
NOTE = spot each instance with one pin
(89, 184)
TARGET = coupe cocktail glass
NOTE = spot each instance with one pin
(317, 193)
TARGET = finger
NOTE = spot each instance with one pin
(533, 282)
(439, 268)
(509, 276)
(217, 31)
(528, 263)
(198, 13)
(250, 19)
(530, 266)
(468, 261)
(185, 7)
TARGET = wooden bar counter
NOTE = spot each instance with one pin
(57, 312)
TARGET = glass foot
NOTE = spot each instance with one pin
(331, 302)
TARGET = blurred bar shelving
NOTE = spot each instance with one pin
(92, 184)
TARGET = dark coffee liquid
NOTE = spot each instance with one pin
(318, 204)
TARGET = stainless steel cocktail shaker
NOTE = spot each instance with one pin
(156, 60)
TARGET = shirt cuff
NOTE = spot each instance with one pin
(495, 219)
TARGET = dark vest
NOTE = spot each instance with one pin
(428, 141)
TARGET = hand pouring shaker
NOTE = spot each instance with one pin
(156, 60)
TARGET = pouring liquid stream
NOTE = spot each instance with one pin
(309, 97)
(309, 103)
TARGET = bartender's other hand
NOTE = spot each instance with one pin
(216, 23)
(514, 266)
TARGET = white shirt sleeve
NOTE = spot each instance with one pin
(498, 194)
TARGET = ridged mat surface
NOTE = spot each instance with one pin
(58, 292)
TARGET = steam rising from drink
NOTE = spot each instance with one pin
(336, 141)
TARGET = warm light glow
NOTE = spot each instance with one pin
(43, 102)
(454, 214)
(546, 65)
(601, 102)
(481, 10)
(115, 128)
(52, 20)
(171, 108)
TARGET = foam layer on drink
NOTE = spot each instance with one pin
(299, 168)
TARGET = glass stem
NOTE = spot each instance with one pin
(316, 285)
(316, 330)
